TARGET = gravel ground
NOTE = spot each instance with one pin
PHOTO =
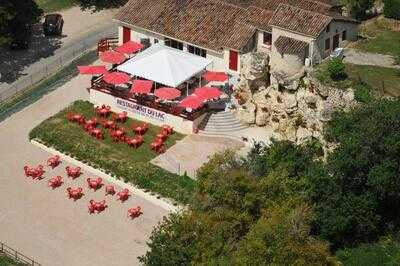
(44, 224)
(359, 58)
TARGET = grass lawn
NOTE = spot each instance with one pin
(117, 159)
(55, 5)
(385, 81)
(380, 38)
(6, 261)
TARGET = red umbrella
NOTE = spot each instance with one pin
(192, 101)
(130, 47)
(92, 70)
(112, 57)
(141, 86)
(207, 93)
(116, 78)
(167, 93)
(215, 76)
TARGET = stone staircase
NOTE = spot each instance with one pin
(221, 123)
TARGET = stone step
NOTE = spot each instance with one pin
(218, 135)
(224, 121)
(231, 128)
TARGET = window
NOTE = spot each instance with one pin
(267, 38)
(327, 44)
(197, 51)
(328, 28)
(155, 40)
(173, 43)
(344, 37)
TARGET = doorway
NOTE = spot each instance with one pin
(335, 41)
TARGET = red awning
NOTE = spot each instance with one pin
(112, 57)
(215, 76)
(92, 70)
(192, 101)
(141, 86)
(167, 93)
(130, 47)
(116, 78)
(207, 93)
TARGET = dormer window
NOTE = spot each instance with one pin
(267, 38)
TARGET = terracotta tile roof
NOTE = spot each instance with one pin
(210, 24)
(286, 45)
(299, 20)
(258, 17)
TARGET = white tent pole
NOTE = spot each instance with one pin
(187, 88)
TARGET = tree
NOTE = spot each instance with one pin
(16, 17)
(336, 69)
(391, 9)
(359, 8)
(101, 4)
(357, 193)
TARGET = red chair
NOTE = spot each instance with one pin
(34, 172)
(55, 182)
(103, 110)
(96, 206)
(54, 161)
(97, 133)
(95, 183)
(75, 193)
(123, 195)
(135, 212)
(121, 117)
(110, 190)
(73, 172)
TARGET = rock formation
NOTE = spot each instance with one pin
(295, 107)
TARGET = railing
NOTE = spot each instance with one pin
(16, 255)
(63, 58)
(106, 44)
(149, 101)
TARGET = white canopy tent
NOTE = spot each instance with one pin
(165, 65)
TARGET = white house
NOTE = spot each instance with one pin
(221, 30)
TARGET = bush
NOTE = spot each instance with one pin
(391, 9)
(362, 93)
(336, 69)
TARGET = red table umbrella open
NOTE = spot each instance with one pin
(215, 76)
(129, 47)
(112, 57)
(141, 86)
(116, 78)
(166, 93)
(192, 101)
(92, 70)
(207, 93)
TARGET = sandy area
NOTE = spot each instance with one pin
(47, 226)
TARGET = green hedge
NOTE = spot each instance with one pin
(117, 159)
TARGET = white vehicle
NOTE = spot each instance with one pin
(337, 53)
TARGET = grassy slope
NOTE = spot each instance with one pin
(6, 261)
(117, 158)
(55, 5)
(379, 38)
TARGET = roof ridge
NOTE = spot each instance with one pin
(299, 8)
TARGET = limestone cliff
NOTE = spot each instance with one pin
(294, 107)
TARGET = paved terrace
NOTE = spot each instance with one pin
(44, 224)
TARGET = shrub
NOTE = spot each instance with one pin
(391, 9)
(362, 92)
(336, 69)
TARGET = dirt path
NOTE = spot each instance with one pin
(360, 58)
(44, 224)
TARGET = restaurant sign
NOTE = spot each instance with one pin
(141, 110)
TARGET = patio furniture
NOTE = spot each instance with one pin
(34, 172)
(108, 124)
(54, 161)
(97, 133)
(135, 212)
(74, 193)
(79, 118)
(120, 117)
(103, 110)
(55, 182)
(141, 86)
(123, 195)
(94, 183)
(158, 146)
(112, 57)
(140, 129)
(110, 190)
(207, 93)
(166, 93)
(167, 129)
(192, 101)
(91, 122)
(73, 172)
(96, 206)
(118, 134)
(215, 76)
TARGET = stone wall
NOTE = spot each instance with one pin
(295, 107)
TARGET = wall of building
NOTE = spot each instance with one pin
(220, 59)
(260, 46)
(336, 27)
